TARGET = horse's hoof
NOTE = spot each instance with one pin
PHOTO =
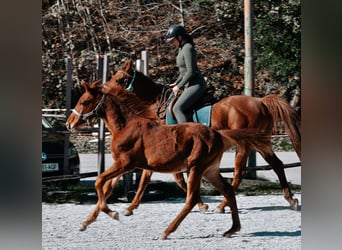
(163, 236)
(83, 228)
(231, 231)
(128, 212)
(294, 204)
(114, 215)
(219, 210)
(203, 208)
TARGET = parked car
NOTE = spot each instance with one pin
(53, 153)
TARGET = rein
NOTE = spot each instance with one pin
(86, 116)
(164, 101)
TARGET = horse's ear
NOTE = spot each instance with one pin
(128, 66)
(94, 84)
(85, 86)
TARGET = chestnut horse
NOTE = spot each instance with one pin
(233, 112)
(140, 141)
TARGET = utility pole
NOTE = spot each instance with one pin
(68, 107)
(102, 73)
(249, 72)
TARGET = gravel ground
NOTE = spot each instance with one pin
(267, 223)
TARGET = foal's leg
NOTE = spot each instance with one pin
(216, 179)
(103, 186)
(144, 180)
(278, 168)
(192, 197)
(107, 190)
(241, 158)
(179, 177)
(108, 187)
(239, 172)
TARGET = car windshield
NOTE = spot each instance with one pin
(46, 124)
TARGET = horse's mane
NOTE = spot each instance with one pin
(146, 88)
(130, 103)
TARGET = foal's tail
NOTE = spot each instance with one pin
(246, 139)
(280, 110)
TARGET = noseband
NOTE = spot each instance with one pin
(86, 116)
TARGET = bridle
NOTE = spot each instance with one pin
(129, 86)
(85, 117)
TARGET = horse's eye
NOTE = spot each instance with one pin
(85, 103)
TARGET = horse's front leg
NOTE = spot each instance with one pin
(110, 184)
(91, 218)
(107, 191)
(104, 186)
(239, 172)
(179, 178)
(144, 180)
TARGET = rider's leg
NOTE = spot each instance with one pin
(187, 100)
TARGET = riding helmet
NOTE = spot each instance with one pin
(174, 31)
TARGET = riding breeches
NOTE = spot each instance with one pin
(187, 100)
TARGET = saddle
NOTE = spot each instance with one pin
(207, 99)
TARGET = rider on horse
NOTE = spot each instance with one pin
(190, 79)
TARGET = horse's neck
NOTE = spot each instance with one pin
(149, 90)
(114, 119)
(111, 124)
(118, 124)
(116, 115)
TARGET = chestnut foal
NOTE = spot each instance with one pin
(140, 141)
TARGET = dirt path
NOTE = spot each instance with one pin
(267, 223)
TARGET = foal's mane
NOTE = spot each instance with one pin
(130, 104)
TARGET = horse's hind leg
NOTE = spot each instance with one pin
(216, 179)
(192, 197)
(182, 184)
(240, 167)
(144, 180)
(278, 168)
(239, 172)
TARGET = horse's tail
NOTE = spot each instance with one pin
(280, 110)
(247, 139)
